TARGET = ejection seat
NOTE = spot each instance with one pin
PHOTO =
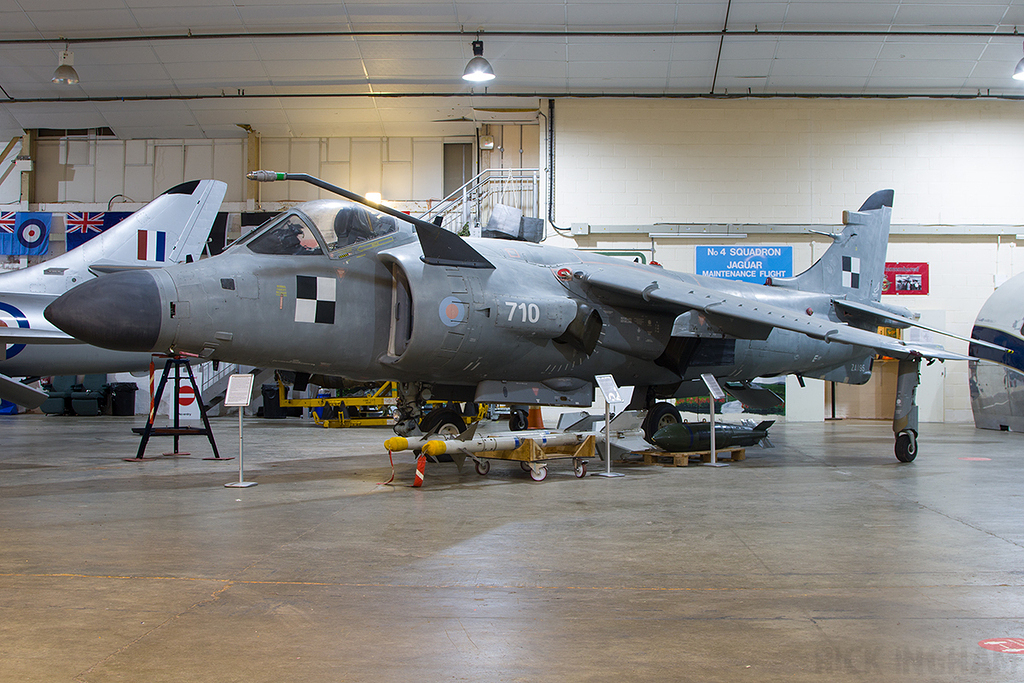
(89, 397)
(59, 390)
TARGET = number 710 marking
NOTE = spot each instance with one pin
(530, 312)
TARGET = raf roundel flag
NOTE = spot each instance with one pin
(152, 245)
(28, 236)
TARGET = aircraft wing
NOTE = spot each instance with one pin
(20, 394)
(25, 335)
(727, 310)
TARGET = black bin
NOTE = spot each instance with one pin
(123, 398)
(272, 402)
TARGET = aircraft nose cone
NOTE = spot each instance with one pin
(119, 311)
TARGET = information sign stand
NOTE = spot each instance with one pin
(611, 395)
(239, 394)
(716, 393)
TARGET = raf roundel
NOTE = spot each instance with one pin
(31, 233)
(451, 311)
(12, 317)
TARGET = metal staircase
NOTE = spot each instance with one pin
(466, 209)
(214, 383)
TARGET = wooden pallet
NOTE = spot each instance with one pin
(683, 459)
(531, 451)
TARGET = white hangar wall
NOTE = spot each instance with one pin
(786, 161)
(90, 174)
(951, 164)
(92, 171)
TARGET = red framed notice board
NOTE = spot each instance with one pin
(905, 278)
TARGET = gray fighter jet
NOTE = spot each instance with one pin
(173, 227)
(368, 293)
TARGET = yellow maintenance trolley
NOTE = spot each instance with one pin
(372, 409)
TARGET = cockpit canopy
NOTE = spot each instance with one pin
(325, 224)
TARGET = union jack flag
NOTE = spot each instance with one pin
(7, 220)
(82, 227)
(84, 223)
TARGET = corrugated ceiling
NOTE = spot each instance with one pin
(393, 68)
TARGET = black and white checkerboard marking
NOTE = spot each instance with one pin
(851, 272)
(315, 299)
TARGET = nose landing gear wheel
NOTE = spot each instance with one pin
(660, 415)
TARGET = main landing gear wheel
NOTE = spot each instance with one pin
(483, 467)
(538, 472)
(579, 468)
(660, 415)
(906, 446)
(443, 421)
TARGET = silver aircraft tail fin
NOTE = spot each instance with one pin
(172, 228)
(854, 266)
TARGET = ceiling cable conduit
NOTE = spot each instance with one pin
(721, 44)
(560, 35)
(524, 94)
(551, 169)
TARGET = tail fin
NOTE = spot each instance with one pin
(170, 229)
(854, 266)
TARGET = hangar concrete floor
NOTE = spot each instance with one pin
(822, 558)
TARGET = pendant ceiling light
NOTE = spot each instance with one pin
(65, 73)
(479, 69)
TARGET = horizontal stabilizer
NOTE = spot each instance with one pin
(25, 335)
(20, 394)
(884, 317)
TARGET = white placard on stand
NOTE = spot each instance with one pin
(608, 387)
(716, 394)
(239, 394)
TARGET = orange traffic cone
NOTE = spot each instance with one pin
(535, 419)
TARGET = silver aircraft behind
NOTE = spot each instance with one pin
(997, 378)
(365, 292)
(172, 228)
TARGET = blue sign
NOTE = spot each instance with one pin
(745, 263)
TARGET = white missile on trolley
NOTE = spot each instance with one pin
(468, 444)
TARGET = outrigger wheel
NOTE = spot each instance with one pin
(904, 417)
(906, 446)
(518, 419)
